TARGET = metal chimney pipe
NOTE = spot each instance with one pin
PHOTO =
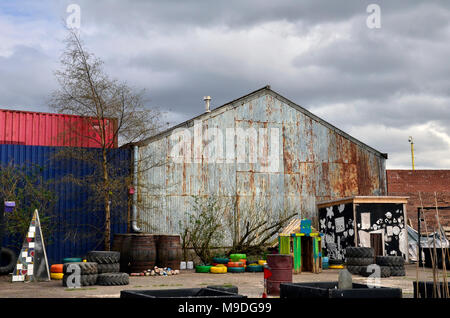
(207, 100)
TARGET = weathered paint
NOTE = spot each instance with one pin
(47, 129)
(317, 162)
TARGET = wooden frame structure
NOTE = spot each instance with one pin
(305, 248)
(357, 206)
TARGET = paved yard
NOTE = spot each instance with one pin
(250, 284)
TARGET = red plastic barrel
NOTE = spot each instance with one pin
(281, 266)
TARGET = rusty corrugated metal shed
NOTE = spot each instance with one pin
(316, 162)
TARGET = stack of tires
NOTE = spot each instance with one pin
(57, 271)
(87, 271)
(358, 258)
(237, 263)
(108, 268)
(395, 264)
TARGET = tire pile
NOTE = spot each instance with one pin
(108, 264)
(360, 261)
(88, 272)
(235, 263)
(358, 258)
(102, 268)
(396, 264)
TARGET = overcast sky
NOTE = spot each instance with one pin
(380, 85)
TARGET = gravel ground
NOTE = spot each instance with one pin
(249, 284)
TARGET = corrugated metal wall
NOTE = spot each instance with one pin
(316, 163)
(47, 129)
(74, 218)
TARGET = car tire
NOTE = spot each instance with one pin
(10, 263)
(103, 257)
(113, 279)
(85, 280)
(359, 252)
(108, 268)
(385, 271)
(355, 270)
(390, 261)
(359, 261)
(86, 268)
(398, 271)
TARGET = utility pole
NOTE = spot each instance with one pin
(410, 139)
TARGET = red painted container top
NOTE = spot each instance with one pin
(47, 129)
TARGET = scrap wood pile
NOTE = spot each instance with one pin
(99, 268)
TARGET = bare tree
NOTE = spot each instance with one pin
(253, 225)
(113, 112)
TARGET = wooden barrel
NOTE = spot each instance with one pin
(142, 252)
(169, 251)
(122, 244)
(281, 268)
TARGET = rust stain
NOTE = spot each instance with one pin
(269, 106)
(287, 155)
(183, 187)
(251, 182)
(364, 187)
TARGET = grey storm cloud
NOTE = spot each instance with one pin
(380, 85)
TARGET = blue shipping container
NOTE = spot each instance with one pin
(77, 221)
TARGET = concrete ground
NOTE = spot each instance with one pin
(249, 284)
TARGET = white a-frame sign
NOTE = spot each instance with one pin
(32, 264)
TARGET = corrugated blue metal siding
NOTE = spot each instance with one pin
(73, 214)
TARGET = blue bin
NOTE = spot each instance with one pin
(325, 262)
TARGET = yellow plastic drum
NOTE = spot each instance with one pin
(218, 269)
(58, 276)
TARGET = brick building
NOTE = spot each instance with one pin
(427, 182)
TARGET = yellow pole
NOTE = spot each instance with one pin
(412, 151)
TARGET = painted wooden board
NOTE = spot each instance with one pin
(32, 264)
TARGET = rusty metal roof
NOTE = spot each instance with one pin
(239, 101)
